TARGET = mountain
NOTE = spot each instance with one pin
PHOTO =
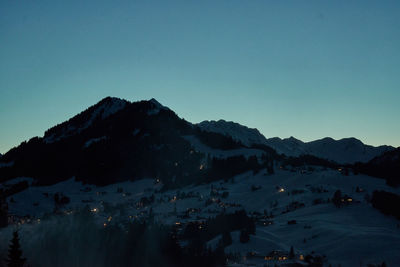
(102, 110)
(110, 175)
(343, 151)
(111, 141)
(117, 140)
(238, 132)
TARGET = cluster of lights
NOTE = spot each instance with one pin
(348, 200)
(282, 258)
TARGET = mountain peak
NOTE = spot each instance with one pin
(293, 139)
(103, 109)
(110, 105)
(156, 107)
(155, 102)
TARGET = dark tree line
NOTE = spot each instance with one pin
(3, 209)
(385, 166)
(304, 160)
(386, 202)
(217, 140)
(221, 224)
(225, 168)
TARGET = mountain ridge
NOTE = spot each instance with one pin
(357, 150)
(117, 140)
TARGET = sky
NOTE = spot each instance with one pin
(307, 69)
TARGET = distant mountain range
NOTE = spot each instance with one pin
(346, 150)
(116, 140)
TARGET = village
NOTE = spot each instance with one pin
(271, 206)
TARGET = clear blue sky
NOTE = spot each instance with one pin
(307, 69)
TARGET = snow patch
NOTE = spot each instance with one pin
(6, 164)
(94, 140)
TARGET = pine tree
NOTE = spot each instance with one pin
(244, 236)
(3, 210)
(151, 216)
(337, 198)
(226, 239)
(15, 253)
(291, 254)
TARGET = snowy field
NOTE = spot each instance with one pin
(354, 235)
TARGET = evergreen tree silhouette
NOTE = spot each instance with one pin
(244, 236)
(3, 210)
(15, 253)
(226, 239)
(291, 254)
(337, 197)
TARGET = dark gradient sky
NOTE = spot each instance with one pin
(307, 69)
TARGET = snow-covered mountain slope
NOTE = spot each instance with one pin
(238, 132)
(288, 146)
(346, 235)
(102, 110)
(346, 150)
(113, 140)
